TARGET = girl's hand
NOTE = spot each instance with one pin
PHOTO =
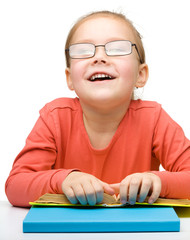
(137, 186)
(84, 188)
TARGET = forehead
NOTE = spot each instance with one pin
(101, 29)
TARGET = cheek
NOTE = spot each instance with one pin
(77, 72)
(128, 72)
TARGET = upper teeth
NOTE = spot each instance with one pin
(100, 76)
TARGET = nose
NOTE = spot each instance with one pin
(100, 55)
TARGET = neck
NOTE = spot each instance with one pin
(103, 121)
(102, 125)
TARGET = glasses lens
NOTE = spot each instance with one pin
(81, 50)
(118, 48)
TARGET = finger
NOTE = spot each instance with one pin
(144, 189)
(69, 193)
(107, 189)
(133, 190)
(156, 189)
(89, 193)
(115, 187)
(80, 194)
(99, 191)
(124, 190)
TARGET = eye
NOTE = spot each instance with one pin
(81, 50)
(115, 50)
(118, 48)
(84, 51)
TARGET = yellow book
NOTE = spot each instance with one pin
(108, 201)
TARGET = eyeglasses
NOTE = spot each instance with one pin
(114, 48)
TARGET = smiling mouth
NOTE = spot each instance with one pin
(100, 77)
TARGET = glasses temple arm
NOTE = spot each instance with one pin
(138, 52)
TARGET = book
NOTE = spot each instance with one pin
(95, 219)
(108, 201)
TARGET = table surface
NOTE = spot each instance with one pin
(11, 219)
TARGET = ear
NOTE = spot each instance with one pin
(68, 78)
(142, 76)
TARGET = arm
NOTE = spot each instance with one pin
(172, 148)
(33, 172)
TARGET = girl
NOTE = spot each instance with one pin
(102, 141)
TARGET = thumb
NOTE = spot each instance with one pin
(116, 187)
(107, 188)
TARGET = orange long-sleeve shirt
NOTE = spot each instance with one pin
(58, 143)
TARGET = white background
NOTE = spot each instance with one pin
(32, 64)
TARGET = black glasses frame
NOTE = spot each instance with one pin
(101, 45)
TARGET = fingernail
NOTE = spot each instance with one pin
(150, 201)
(131, 202)
(123, 201)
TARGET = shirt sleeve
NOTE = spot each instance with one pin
(33, 172)
(172, 149)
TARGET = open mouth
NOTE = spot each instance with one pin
(100, 77)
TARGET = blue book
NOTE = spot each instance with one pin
(131, 219)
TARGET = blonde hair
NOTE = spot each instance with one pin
(120, 16)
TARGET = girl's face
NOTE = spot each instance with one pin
(124, 70)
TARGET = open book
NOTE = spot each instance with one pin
(108, 201)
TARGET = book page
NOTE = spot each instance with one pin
(108, 201)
